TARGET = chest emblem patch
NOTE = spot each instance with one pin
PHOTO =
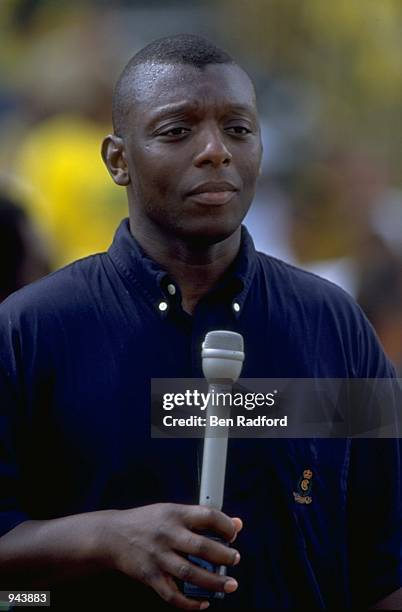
(302, 495)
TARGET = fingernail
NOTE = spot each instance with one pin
(236, 559)
(204, 605)
(230, 586)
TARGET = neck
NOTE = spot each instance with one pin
(195, 267)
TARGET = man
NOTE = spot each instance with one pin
(89, 500)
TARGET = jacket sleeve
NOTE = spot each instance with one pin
(375, 519)
(11, 512)
(374, 505)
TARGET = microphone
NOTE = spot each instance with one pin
(222, 361)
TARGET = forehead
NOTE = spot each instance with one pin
(156, 87)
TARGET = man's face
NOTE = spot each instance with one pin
(193, 149)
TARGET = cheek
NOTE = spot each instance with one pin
(251, 166)
(150, 177)
(250, 177)
(160, 171)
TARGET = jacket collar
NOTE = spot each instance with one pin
(144, 274)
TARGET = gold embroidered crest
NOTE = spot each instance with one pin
(304, 487)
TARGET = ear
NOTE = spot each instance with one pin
(114, 156)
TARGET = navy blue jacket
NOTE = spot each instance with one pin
(77, 352)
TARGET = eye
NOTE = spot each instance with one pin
(175, 132)
(238, 130)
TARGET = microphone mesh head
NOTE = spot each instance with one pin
(225, 340)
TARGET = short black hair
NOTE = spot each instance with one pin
(179, 49)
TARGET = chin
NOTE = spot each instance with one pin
(209, 232)
(213, 225)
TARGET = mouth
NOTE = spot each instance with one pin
(213, 193)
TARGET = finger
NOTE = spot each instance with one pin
(166, 588)
(203, 547)
(238, 525)
(189, 572)
(205, 518)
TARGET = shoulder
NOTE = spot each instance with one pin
(60, 292)
(307, 287)
(326, 315)
(40, 319)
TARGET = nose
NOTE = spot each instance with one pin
(212, 149)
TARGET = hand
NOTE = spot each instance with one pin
(149, 544)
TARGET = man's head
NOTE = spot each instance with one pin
(186, 140)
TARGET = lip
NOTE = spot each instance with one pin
(213, 193)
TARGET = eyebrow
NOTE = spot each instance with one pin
(178, 107)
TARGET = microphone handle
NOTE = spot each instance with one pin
(213, 479)
(215, 449)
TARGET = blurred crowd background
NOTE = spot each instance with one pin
(328, 78)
